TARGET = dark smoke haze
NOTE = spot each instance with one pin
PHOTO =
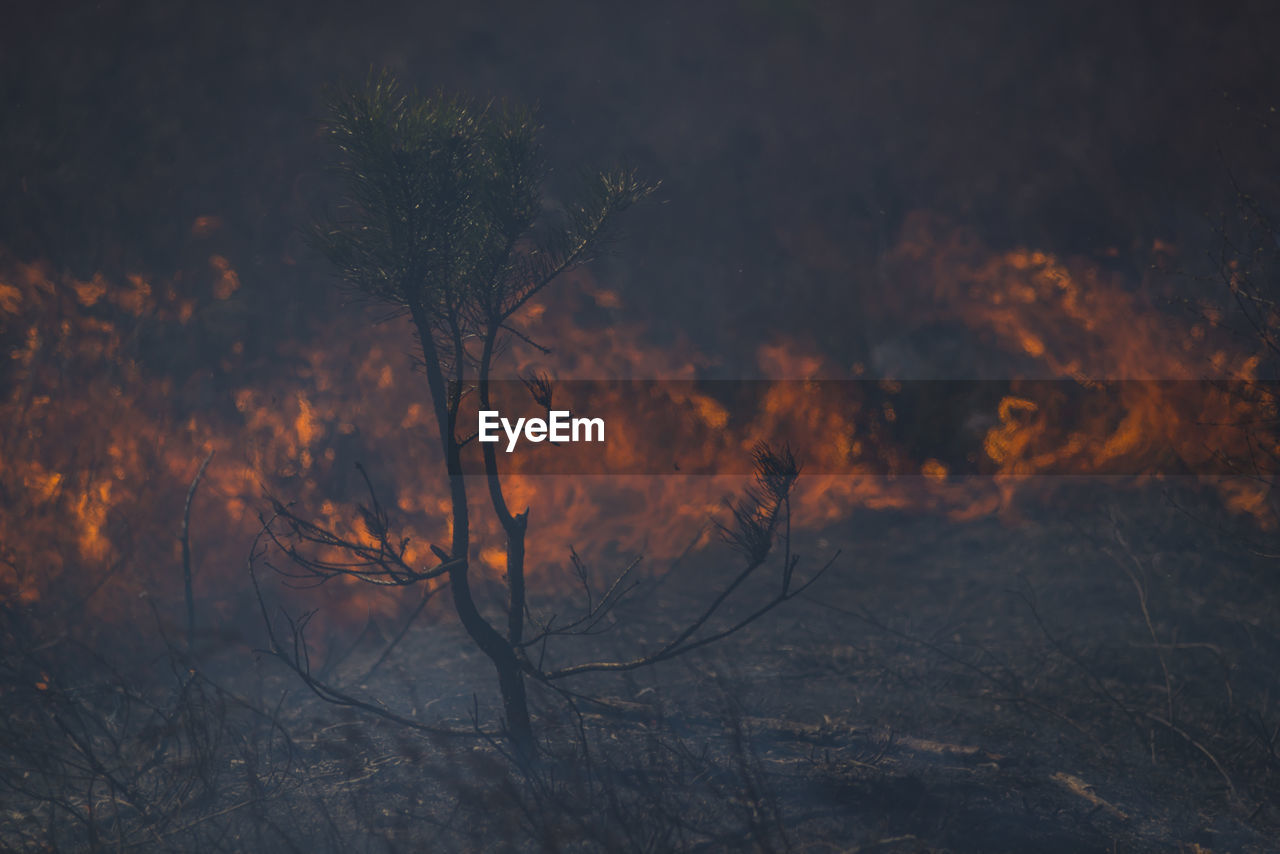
(791, 136)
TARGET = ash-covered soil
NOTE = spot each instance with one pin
(1096, 672)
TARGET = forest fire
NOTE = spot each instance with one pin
(1179, 391)
(102, 439)
(881, 438)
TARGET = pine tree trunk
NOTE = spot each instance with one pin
(501, 652)
(515, 705)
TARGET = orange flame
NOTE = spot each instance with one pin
(100, 445)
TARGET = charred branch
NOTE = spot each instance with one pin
(186, 552)
(316, 554)
(294, 652)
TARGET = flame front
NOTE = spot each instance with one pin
(102, 436)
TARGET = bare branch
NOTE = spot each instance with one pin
(318, 554)
(296, 656)
(186, 552)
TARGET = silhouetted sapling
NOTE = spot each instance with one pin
(443, 219)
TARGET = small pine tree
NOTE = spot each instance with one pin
(443, 218)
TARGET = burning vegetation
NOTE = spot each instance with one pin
(104, 432)
(131, 457)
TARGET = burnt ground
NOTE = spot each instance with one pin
(992, 685)
(950, 686)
